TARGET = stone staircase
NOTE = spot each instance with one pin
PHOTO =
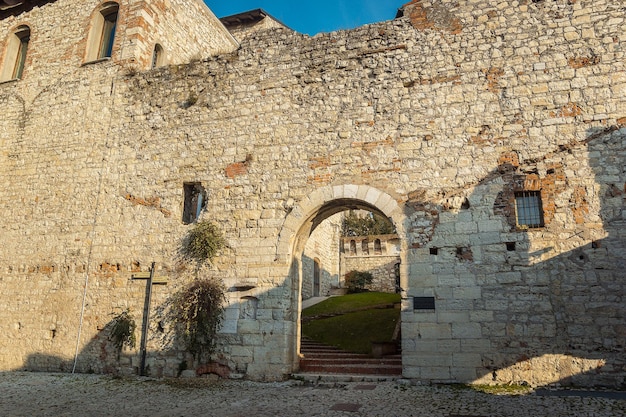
(322, 359)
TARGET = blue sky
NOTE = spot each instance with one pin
(312, 17)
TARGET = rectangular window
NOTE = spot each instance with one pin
(528, 209)
(195, 200)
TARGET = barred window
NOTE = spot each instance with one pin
(528, 209)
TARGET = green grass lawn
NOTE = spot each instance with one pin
(351, 302)
(352, 330)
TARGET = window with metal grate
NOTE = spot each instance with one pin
(528, 209)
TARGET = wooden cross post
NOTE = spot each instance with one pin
(146, 311)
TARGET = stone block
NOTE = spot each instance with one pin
(436, 373)
(466, 330)
(464, 375)
(466, 360)
(455, 317)
(434, 330)
(433, 360)
(471, 293)
(476, 345)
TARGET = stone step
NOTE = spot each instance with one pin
(330, 354)
(323, 359)
(358, 368)
(331, 379)
(349, 361)
(320, 349)
(316, 352)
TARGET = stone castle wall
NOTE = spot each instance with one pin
(435, 120)
(323, 246)
(379, 261)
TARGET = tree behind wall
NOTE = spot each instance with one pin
(367, 224)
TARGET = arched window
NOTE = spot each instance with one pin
(102, 33)
(15, 57)
(377, 247)
(157, 56)
(365, 247)
(352, 247)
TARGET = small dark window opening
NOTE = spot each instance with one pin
(528, 209)
(434, 251)
(365, 247)
(595, 244)
(510, 246)
(157, 56)
(465, 205)
(195, 201)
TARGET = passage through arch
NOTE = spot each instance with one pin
(309, 215)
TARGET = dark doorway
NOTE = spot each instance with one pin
(316, 278)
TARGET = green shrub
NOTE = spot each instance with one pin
(202, 243)
(197, 311)
(356, 281)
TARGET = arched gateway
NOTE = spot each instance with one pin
(307, 214)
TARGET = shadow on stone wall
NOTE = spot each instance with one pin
(555, 314)
(562, 319)
(99, 356)
(327, 281)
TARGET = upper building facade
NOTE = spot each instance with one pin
(49, 38)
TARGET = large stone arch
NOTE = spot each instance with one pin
(308, 213)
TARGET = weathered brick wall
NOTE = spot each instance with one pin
(186, 29)
(433, 119)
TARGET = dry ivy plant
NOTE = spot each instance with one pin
(123, 331)
(202, 243)
(197, 311)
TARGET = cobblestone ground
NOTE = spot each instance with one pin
(44, 394)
